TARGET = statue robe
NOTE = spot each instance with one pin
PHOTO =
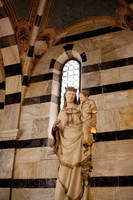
(70, 152)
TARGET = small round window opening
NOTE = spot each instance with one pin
(70, 78)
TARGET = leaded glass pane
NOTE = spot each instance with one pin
(70, 77)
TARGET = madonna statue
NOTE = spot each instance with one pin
(75, 162)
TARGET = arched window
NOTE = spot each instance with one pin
(70, 77)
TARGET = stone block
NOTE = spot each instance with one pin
(11, 115)
(128, 50)
(116, 100)
(122, 37)
(34, 111)
(83, 45)
(45, 109)
(42, 169)
(28, 155)
(102, 41)
(131, 97)
(93, 57)
(63, 58)
(112, 149)
(4, 193)
(10, 55)
(104, 193)
(40, 127)
(91, 79)
(23, 171)
(13, 84)
(33, 194)
(101, 121)
(126, 73)
(42, 67)
(99, 101)
(124, 166)
(126, 116)
(6, 163)
(20, 194)
(5, 27)
(55, 90)
(103, 167)
(112, 120)
(46, 169)
(112, 53)
(39, 89)
(124, 193)
(26, 128)
(110, 76)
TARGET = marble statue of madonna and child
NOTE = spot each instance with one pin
(72, 142)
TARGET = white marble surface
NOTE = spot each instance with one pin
(4, 193)
(5, 27)
(33, 194)
(10, 55)
(39, 89)
(91, 79)
(124, 193)
(11, 115)
(103, 193)
(63, 58)
(110, 76)
(112, 149)
(6, 162)
(35, 111)
(13, 84)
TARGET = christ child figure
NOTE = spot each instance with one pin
(88, 117)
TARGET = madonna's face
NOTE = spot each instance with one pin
(70, 96)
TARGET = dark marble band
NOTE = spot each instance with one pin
(52, 63)
(114, 135)
(108, 65)
(2, 85)
(3, 12)
(45, 77)
(7, 41)
(88, 34)
(25, 80)
(41, 99)
(40, 142)
(110, 88)
(92, 91)
(12, 70)
(68, 47)
(107, 181)
(13, 98)
(31, 51)
(1, 105)
(31, 143)
(38, 20)
(83, 56)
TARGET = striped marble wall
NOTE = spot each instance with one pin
(106, 61)
(10, 101)
(106, 58)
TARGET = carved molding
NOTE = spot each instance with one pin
(124, 18)
(6, 135)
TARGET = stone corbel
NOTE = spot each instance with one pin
(124, 17)
(13, 134)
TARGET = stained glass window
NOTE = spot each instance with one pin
(70, 78)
